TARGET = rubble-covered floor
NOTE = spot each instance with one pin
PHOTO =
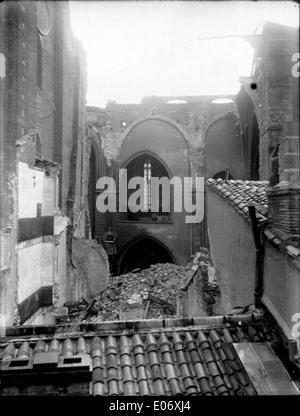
(151, 293)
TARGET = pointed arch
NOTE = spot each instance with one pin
(144, 238)
(155, 117)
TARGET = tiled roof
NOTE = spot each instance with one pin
(239, 193)
(173, 357)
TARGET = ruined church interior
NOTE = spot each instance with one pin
(149, 246)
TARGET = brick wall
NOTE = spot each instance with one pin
(276, 102)
(175, 133)
(43, 91)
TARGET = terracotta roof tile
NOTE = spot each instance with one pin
(111, 361)
(125, 359)
(190, 388)
(67, 347)
(208, 356)
(124, 345)
(129, 388)
(205, 387)
(141, 373)
(200, 371)
(98, 389)
(139, 360)
(227, 336)
(213, 369)
(127, 374)
(195, 356)
(24, 350)
(98, 375)
(240, 192)
(144, 388)
(158, 387)
(97, 362)
(176, 390)
(40, 346)
(151, 343)
(111, 345)
(153, 358)
(191, 360)
(113, 389)
(181, 357)
(81, 346)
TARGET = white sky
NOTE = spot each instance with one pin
(137, 49)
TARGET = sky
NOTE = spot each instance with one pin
(137, 49)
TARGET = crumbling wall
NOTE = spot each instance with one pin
(190, 301)
(199, 293)
(89, 273)
(42, 89)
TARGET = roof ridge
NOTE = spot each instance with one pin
(112, 327)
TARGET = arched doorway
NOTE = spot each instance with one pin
(143, 252)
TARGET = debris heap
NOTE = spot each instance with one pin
(150, 294)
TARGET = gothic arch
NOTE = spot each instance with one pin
(220, 117)
(146, 152)
(180, 136)
(138, 239)
(223, 146)
(155, 117)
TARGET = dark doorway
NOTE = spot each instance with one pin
(142, 253)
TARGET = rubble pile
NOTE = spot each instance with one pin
(151, 294)
(148, 294)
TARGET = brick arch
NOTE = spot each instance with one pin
(223, 146)
(217, 118)
(181, 137)
(155, 117)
